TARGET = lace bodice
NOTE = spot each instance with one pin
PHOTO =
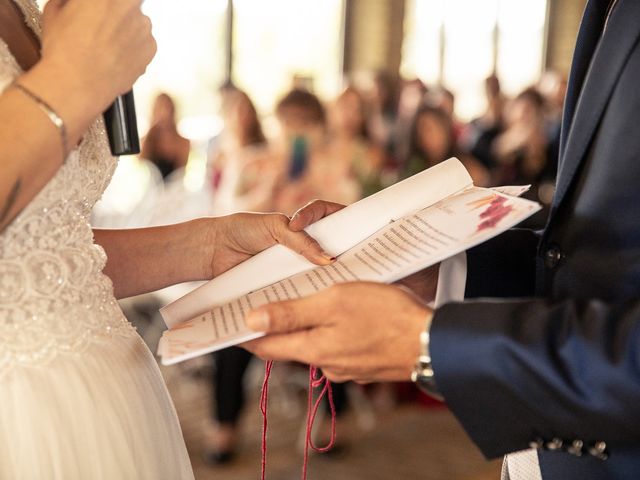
(54, 298)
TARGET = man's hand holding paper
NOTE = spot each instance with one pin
(360, 331)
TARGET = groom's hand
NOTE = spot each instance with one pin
(353, 331)
(235, 238)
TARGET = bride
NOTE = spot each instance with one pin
(81, 396)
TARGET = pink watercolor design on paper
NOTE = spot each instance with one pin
(494, 213)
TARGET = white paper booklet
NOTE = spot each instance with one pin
(403, 229)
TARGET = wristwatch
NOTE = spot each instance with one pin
(422, 374)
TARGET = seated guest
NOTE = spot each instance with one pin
(307, 170)
(214, 172)
(478, 137)
(553, 87)
(349, 144)
(163, 145)
(524, 151)
(241, 176)
(444, 99)
(433, 141)
(381, 99)
(410, 98)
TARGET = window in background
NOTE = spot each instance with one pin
(277, 40)
(468, 54)
(521, 27)
(421, 46)
(190, 63)
(460, 42)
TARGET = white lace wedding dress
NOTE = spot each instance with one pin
(81, 396)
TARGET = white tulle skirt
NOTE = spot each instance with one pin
(104, 414)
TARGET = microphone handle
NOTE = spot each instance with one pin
(121, 125)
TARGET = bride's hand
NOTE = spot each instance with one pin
(237, 237)
(102, 45)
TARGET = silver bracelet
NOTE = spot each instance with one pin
(51, 114)
(422, 374)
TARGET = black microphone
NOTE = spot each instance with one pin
(122, 128)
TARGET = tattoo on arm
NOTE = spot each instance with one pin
(11, 200)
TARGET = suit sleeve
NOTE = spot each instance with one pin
(515, 370)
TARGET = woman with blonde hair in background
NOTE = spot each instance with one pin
(350, 148)
(240, 167)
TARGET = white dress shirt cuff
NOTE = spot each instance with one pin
(452, 279)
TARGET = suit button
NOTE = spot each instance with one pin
(599, 450)
(552, 257)
(576, 448)
(555, 444)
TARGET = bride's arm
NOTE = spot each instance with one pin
(146, 259)
(88, 58)
(31, 145)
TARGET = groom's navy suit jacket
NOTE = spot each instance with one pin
(561, 359)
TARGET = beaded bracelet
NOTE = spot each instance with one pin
(50, 113)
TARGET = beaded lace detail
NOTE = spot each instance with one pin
(54, 298)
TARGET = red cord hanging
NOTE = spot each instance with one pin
(316, 380)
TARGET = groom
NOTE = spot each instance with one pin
(554, 371)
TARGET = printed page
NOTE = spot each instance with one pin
(513, 190)
(397, 250)
(336, 233)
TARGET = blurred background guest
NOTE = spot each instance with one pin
(410, 97)
(350, 149)
(523, 149)
(433, 141)
(241, 177)
(163, 145)
(481, 132)
(221, 432)
(381, 97)
(553, 87)
(308, 171)
(445, 99)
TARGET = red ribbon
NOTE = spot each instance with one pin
(316, 380)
